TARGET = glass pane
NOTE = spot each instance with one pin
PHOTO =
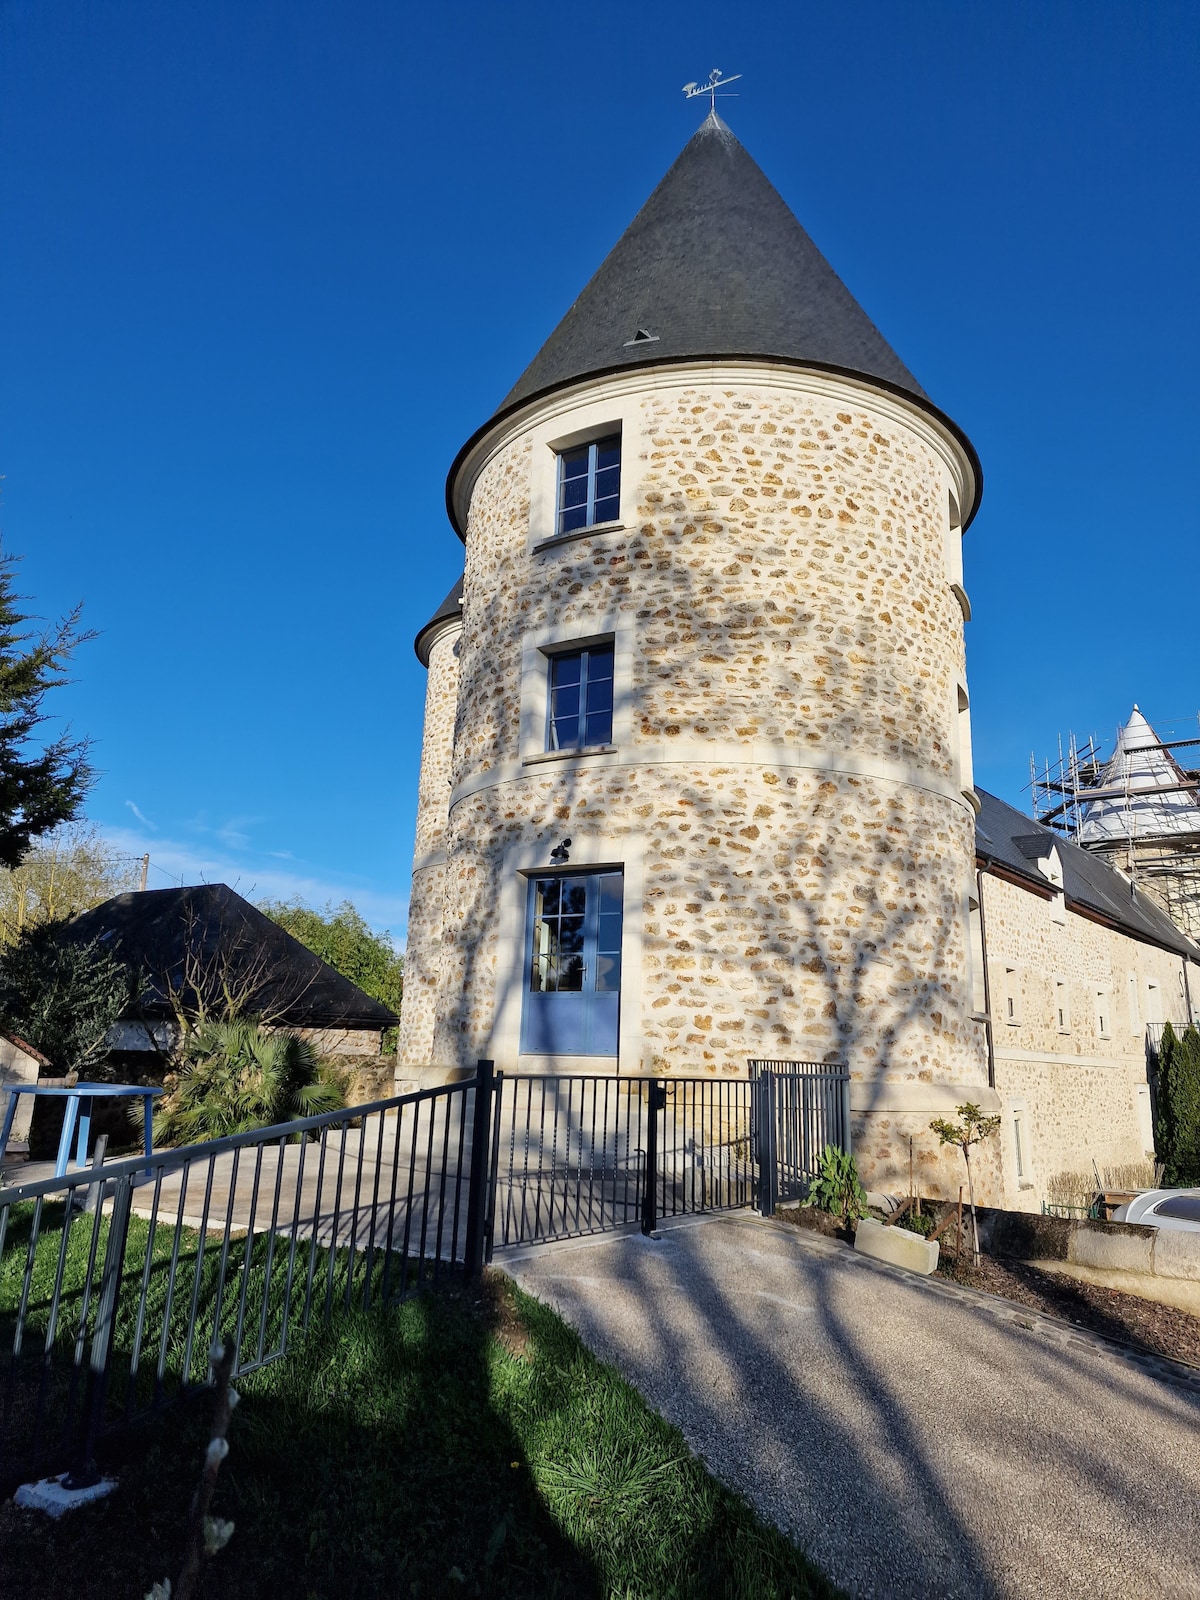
(566, 669)
(548, 895)
(608, 974)
(564, 733)
(608, 509)
(574, 463)
(597, 729)
(574, 492)
(612, 893)
(600, 663)
(608, 452)
(574, 896)
(608, 481)
(608, 938)
(568, 521)
(599, 694)
(566, 701)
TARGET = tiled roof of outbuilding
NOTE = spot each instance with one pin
(208, 935)
(1009, 838)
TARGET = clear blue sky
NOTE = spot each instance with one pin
(267, 265)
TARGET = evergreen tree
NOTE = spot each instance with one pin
(1177, 1133)
(42, 785)
(62, 996)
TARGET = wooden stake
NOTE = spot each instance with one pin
(958, 1241)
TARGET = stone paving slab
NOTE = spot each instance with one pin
(921, 1439)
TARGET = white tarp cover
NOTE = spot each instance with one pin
(1131, 812)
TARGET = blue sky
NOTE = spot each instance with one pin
(267, 265)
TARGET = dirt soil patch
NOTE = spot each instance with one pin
(1164, 1330)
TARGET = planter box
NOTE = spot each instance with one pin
(897, 1246)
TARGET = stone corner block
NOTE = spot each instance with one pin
(897, 1246)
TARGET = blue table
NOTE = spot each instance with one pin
(79, 1114)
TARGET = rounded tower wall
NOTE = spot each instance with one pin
(423, 949)
(784, 791)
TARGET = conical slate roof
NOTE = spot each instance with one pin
(1146, 794)
(451, 606)
(714, 264)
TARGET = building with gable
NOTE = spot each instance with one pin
(696, 781)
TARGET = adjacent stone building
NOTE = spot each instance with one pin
(696, 782)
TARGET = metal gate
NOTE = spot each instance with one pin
(575, 1154)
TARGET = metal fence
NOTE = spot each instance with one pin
(116, 1282)
(580, 1154)
(799, 1108)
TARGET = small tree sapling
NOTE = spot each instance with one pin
(972, 1128)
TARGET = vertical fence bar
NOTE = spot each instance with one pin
(657, 1102)
(768, 1171)
(477, 1190)
(84, 1473)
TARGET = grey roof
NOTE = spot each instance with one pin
(1009, 838)
(205, 935)
(714, 266)
(451, 606)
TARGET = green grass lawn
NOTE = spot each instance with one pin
(463, 1443)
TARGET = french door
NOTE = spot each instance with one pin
(573, 965)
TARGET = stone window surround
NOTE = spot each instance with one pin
(547, 442)
(538, 646)
(523, 861)
(1018, 1117)
(1062, 1003)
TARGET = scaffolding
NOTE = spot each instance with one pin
(1139, 807)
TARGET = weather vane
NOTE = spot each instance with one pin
(715, 83)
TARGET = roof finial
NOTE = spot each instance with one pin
(715, 82)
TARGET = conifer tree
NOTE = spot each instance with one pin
(41, 784)
(1177, 1134)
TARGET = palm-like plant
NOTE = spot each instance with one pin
(237, 1076)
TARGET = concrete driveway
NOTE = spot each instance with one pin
(919, 1439)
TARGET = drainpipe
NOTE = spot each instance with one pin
(987, 982)
(1187, 991)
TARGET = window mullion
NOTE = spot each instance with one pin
(593, 458)
(583, 692)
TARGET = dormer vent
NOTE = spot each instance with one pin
(642, 336)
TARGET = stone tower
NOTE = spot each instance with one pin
(696, 783)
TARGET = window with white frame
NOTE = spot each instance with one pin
(1022, 1145)
(589, 484)
(1153, 1003)
(580, 699)
(1135, 1010)
(1062, 1006)
(1012, 997)
(1103, 1013)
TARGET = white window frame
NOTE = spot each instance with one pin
(537, 647)
(585, 652)
(1012, 997)
(1022, 1138)
(1104, 1013)
(1062, 1004)
(1135, 1009)
(582, 425)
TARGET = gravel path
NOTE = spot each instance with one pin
(919, 1438)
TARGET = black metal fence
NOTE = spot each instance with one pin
(115, 1283)
(799, 1108)
(581, 1154)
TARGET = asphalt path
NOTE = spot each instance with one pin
(919, 1439)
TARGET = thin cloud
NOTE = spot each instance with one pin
(265, 880)
(141, 816)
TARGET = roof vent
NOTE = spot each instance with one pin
(642, 336)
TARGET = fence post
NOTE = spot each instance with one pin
(845, 1086)
(84, 1471)
(477, 1185)
(768, 1165)
(658, 1102)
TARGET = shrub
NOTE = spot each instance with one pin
(61, 996)
(236, 1076)
(836, 1187)
(1177, 1134)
